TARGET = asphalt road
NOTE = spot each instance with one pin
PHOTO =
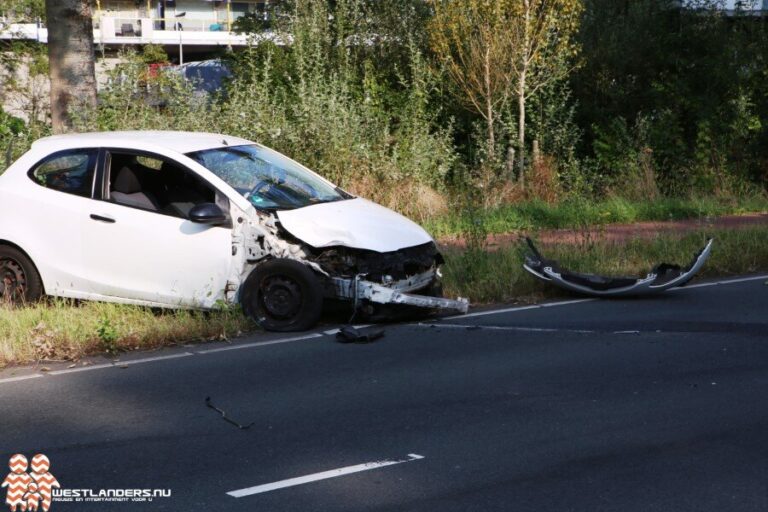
(647, 405)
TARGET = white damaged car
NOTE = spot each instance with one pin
(175, 219)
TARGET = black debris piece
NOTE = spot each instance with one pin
(224, 415)
(350, 334)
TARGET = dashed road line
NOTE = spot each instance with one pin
(20, 378)
(152, 359)
(257, 344)
(325, 475)
(81, 369)
(517, 309)
(503, 328)
(726, 281)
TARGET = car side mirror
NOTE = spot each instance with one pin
(207, 213)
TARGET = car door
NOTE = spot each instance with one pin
(55, 210)
(139, 249)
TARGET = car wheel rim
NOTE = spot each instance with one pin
(281, 297)
(13, 282)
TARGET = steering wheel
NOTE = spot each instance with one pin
(259, 186)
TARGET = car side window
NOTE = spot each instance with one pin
(71, 172)
(156, 184)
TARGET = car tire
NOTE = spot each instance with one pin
(20, 281)
(283, 295)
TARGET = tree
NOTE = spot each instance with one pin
(23, 11)
(71, 59)
(543, 45)
(473, 43)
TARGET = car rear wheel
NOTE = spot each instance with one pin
(20, 282)
(283, 295)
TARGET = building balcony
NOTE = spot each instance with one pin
(112, 31)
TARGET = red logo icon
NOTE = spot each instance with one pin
(29, 491)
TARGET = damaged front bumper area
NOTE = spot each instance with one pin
(359, 289)
(663, 277)
(407, 277)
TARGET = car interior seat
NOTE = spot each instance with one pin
(181, 192)
(127, 190)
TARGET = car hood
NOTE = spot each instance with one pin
(355, 223)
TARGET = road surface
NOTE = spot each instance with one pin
(632, 405)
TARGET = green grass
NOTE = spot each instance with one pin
(576, 213)
(497, 277)
(60, 330)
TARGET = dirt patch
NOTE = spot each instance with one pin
(616, 232)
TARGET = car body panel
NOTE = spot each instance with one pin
(175, 262)
(355, 223)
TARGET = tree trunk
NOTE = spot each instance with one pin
(521, 129)
(521, 89)
(489, 117)
(70, 52)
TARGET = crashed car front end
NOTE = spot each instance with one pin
(301, 240)
(408, 277)
(368, 280)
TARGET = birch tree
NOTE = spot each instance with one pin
(472, 41)
(543, 45)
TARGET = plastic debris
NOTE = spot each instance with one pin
(350, 334)
(224, 416)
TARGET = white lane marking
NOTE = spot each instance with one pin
(81, 369)
(256, 344)
(520, 308)
(153, 359)
(258, 489)
(20, 377)
(505, 328)
(740, 280)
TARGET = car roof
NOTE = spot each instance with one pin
(180, 142)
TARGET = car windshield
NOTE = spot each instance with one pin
(266, 178)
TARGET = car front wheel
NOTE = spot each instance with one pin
(283, 295)
(19, 280)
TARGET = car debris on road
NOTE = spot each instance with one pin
(663, 276)
(210, 405)
(351, 334)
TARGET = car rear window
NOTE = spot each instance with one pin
(70, 172)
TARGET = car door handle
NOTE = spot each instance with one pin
(101, 218)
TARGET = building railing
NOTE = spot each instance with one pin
(133, 27)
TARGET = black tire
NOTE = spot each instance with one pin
(20, 282)
(283, 295)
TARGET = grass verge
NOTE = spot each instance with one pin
(498, 277)
(577, 213)
(61, 330)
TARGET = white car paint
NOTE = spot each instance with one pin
(355, 223)
(173, 261)
(147, 258)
